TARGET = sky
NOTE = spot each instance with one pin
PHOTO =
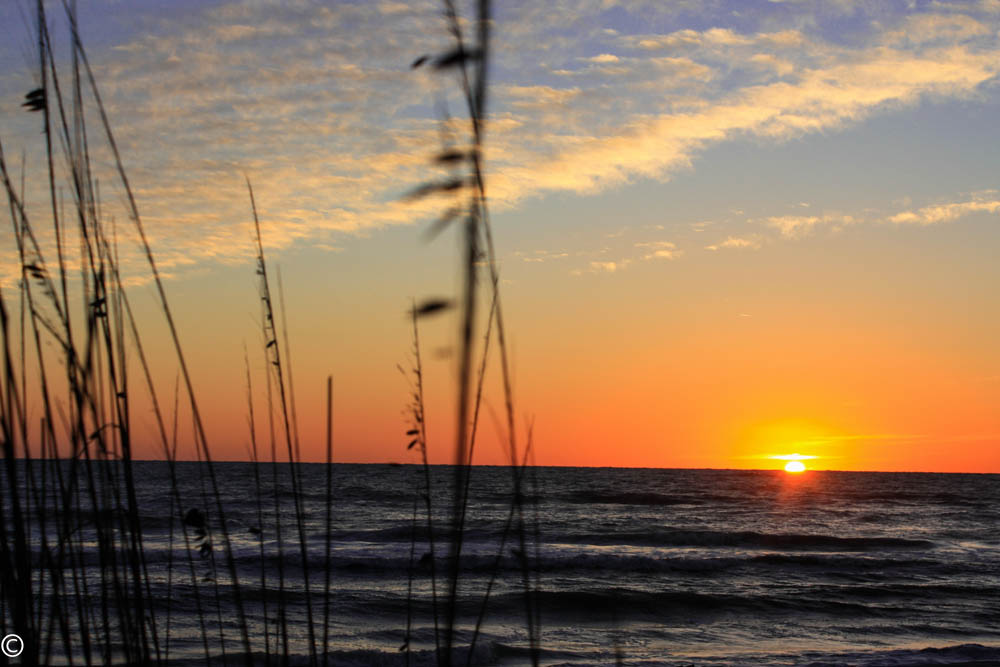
(727, 231)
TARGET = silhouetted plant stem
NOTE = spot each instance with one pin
(408, 638)
(169, 446)
(276, 489)
(291, 442)
(201, 439)
(471, 65)
(420, 426)
(329, 517)
(17, 578)
(473, 428)
(258, 496)
(471, 253)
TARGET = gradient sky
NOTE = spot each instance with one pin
(727, 230)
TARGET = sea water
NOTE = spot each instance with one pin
(637, 566)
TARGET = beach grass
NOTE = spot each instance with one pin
(76, 584)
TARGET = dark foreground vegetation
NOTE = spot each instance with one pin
(76, 577)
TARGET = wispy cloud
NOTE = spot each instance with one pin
(930, 215)
(333, 131)
(736, 242)
(541, 255)
(846, 88)
(797, 226)
(608, 267)
(792, 457)
(660, 250)
(827, 439)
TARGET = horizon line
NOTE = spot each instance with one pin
(507, 465)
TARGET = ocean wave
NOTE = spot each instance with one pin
(485, 653)
(404, 533)
(742, 539)
(916, 497)
(635, 498)
(961, 654)
(601, 604)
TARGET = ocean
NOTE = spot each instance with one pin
(634, 566)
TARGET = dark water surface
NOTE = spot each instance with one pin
(657, 566)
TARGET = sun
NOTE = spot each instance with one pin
(794, 462)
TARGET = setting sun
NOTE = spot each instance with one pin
(794, 462)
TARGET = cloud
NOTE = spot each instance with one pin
(927, 29)
(798, 226)
(820, 99)
(660, 250)
(607, 267)
(793, 226)
(736, 242)
(717, 37)
(930, 215)
(539, 96)
(542, 255)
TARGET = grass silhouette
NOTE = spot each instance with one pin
(76, 581)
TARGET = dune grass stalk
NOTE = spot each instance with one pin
(418, 433)
(169, 448)
(16, 566)
(201, 438)
(469, 59)
(106, 611)
(408, 637)
(173, 511)
(329, 520)
(287, 405)
(100, 480)
(462, 58)
(259, 501)
(282, 619)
